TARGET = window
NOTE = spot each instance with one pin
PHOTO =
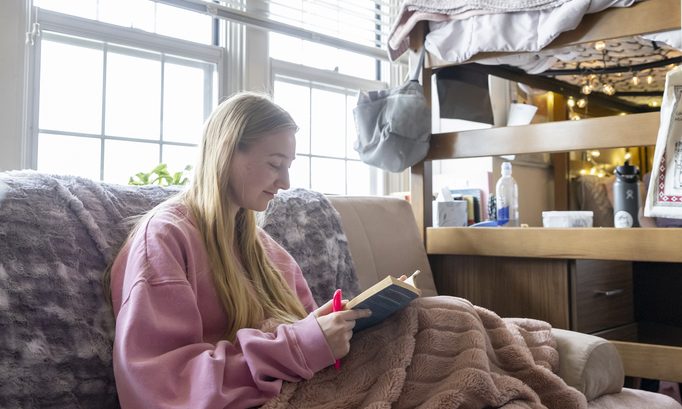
(321, 103)
(111, 101)
(318, 84)
(325, 159)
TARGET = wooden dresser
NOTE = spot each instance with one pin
(591, 296)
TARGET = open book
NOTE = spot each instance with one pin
(384, 298)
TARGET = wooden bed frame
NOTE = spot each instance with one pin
(642, 244)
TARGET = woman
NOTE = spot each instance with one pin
(196, 280)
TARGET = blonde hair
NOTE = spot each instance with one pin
(234, 125)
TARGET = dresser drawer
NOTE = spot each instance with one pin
(603, 294)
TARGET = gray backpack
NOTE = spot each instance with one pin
(394, 125)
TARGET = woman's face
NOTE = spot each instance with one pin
(262, 169)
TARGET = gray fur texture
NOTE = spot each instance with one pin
(57, 235)
(306, 224)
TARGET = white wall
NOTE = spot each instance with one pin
(12, 34)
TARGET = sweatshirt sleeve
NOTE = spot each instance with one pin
(161, 360)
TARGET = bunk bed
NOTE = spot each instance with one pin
(549, 266)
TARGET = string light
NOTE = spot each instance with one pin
(649, 79)
(608, 89)
(635, 79)
(586, 89)
(581, 103)
(599, 45)
(570, 102)
(628, 155)
(595, 154)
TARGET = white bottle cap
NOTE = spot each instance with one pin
(506, 168)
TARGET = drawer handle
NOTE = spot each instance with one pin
(609, 293)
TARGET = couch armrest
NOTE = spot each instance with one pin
(590, 364)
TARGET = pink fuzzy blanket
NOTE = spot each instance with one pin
(442, 352)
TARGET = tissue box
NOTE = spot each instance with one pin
(451, 213)
(567, 219)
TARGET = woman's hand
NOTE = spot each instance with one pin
(338, 326)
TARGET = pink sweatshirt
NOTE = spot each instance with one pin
(169, 321)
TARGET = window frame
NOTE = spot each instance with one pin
(113, 36)
(321, 79)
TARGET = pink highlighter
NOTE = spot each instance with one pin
(336, 306)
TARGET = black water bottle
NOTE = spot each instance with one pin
(626, 196)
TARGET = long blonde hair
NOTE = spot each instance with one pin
(234, 125)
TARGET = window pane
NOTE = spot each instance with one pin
(299, 173)
(359, 178)
(70, 88)
(351, 130)
(183, 103)
(357, 65)
(178, 157)
(286, 48)
(328, 176)
(187, 25)
(321, 56)
(133, 96)
(128, 13)
(328, 123)
(124, 159)
(80, 8)
(295, 99)
(69, 155)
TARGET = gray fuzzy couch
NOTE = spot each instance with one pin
(58, 233)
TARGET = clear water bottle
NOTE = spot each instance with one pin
(626, 196)
(507, 196)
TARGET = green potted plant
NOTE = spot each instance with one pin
(161, 176)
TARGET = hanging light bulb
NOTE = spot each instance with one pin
(581, 103)
(649, 79)
(635, 79)
(570, 102)
(627, 156)
(599, 45)
(595, 154)
(583, 171)
(586, 89)
(608, 89)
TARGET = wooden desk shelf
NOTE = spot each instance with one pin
(636, 244)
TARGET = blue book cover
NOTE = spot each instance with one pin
(383, 299)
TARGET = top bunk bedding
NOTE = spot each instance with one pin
(462, 30)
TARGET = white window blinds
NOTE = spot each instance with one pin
(356, 25)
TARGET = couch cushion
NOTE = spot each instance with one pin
(588, 363)
(384, 239)
(308, 227)
(633, 398)
(57, 234)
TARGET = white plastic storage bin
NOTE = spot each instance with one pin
(567, 219)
